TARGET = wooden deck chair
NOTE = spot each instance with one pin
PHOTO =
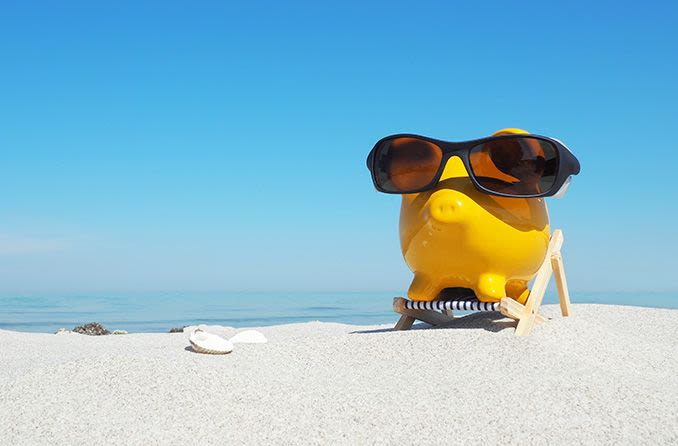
(439, 312)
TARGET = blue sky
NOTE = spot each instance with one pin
(221, 145)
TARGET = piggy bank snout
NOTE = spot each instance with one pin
(447, 206)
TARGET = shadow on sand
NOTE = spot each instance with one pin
(493, 322)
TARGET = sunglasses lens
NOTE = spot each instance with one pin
(404, 165)
(518, 166)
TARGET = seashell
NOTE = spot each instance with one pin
(249, 337)
(203, 342)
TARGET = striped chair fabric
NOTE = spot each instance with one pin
(440, 305)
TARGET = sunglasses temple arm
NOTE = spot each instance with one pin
(563, 189)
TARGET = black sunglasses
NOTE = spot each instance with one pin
(516, 165)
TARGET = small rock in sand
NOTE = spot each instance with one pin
(92, 329)
(119, 332)
(177, 329)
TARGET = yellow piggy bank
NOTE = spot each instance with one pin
(456, 236)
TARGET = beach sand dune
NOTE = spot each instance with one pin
(606, 375)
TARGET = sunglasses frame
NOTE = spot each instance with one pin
(568, 164)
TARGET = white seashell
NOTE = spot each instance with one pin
(203, 342)
(249, 337)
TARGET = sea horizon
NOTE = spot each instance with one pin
(149, 312)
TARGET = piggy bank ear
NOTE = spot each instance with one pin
(510, 131)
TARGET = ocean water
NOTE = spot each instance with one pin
(158, 312)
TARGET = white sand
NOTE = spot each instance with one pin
(606, 375)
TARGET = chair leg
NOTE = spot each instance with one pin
(431, 317)
(526, 322)
(561, 284)
(404, 323)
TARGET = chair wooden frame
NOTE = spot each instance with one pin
(526, 315)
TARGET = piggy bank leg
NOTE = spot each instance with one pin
(491, 288)
(517, 289)
(423, 288)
